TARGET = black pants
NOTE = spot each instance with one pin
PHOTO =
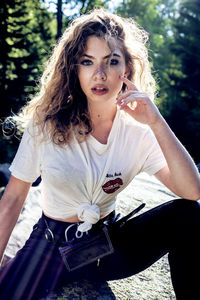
(173, 227)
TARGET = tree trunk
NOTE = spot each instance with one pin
(59, 19)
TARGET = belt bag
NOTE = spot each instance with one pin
(91, 247)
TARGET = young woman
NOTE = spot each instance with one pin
(92, 128)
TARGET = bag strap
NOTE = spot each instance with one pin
(123, 220)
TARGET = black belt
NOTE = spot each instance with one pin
(54, 230)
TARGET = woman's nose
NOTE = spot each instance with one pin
(100, 73)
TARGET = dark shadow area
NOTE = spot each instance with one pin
(84, 290)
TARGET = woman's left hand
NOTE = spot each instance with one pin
(142, 109)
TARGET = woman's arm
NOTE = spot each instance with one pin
(11, 204)
(181, 174)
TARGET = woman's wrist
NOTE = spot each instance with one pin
(158, 125)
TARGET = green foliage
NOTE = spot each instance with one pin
(156, 17)
(184, 114)
(65, 11)
(174, 49)
(26, 36)
(84, 7)
(24, 44)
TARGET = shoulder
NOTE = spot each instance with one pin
(34, 134)
(37, 131)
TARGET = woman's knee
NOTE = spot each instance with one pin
(186, 210)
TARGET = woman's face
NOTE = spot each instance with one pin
(100, 69)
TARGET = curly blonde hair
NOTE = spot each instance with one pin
(61, 102)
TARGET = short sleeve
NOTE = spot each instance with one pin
(155, 159)
(27, 161)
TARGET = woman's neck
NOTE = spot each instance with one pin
(99, 114)
(102, 121)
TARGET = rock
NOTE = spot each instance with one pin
(30, 214)
(1, 191)
(5, 259)
(85, 290)
(151, 284)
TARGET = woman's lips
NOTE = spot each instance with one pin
(99, 90)
(112, 185)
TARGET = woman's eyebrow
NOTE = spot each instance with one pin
(105, 57)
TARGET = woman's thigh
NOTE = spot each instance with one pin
(35, 269)
(149, 236)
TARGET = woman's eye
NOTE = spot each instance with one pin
(86, 62)
(114, 61)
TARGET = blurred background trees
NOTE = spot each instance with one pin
(26, 36)
(184, 101)
(30, 28)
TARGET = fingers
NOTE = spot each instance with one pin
(129, 84)
(126, 95)
(133, 95)
(130, 111)
(130, 97)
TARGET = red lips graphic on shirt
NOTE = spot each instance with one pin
(112, 185)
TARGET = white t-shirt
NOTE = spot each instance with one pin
(79, 175)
